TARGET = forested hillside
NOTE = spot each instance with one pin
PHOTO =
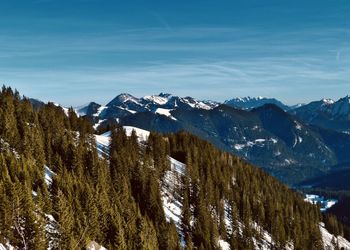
(57, 192)
(267, 136)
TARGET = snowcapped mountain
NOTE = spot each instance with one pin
(254, 102)
(171, 186)
(163, 104)
(90, 109)
(126, 104)
(176, 185)
(327, 113)
(266, 136)
(172, 200)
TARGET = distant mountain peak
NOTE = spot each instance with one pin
(125, 97)
(327, 113)
(345, 99)
(158, 99)
(327, 101)
(122, 98)
(249, 103)
(165, 95)
(89, 109)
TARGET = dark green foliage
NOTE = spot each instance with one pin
(214, 178)
(117, 201)
(342, 212)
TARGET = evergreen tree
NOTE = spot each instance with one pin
(116, 200)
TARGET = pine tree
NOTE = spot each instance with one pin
(65, 219)
(186, 215)
(119, 238)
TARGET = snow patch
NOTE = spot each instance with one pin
(327, 239)
(277, 153)
(239, 146)
(324, 203)
(274, 141)
(193, 103)
(95, 246)
(156, 99)
(300, 139)
(48, 175)
(102, 143)
(328, 101)
(51, 230)
(99, 110)
(172, 203)
(224, 245)
(99, 123)
(141, 133)
(128, 110)
(165, 112)
(295, 141)
(257, 142)
(260, 140)
(288, 161)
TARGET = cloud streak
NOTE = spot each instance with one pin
(222, 80)
(208, 63)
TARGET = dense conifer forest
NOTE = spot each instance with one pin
(116, 200)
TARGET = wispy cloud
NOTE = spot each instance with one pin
(215, 80)
(216, 63)
(184, 39)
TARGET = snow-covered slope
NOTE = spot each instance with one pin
(124, 98)
(48, 175)
(327, 113)
(103, 140)
(254, 102)
(172, 200)
(170, 183)
(141, 133)
(172, 205)
(165, 112)
(159, 99)
(330, 241)
(126, 104)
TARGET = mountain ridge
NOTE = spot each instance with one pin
(90, 197)
(267, 135)
(270, 136)
(327, 113)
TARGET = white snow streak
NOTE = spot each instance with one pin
(48, 175)
(165, 112)
(328, 237)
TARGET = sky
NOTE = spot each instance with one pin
(76, 51)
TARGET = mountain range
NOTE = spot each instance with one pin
(327, 113)
(65, 185)
(249, 103)
(293, 143)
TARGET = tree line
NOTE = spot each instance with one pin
(116, 200)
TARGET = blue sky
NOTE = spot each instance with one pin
(75, 51)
